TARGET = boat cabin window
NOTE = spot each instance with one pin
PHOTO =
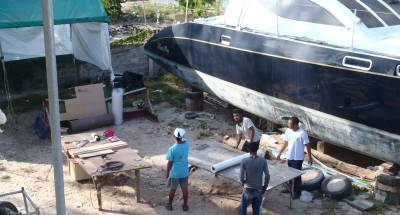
(382, 11)
(307, 11)
(260, 15)
(366, 16)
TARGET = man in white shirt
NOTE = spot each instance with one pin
(296, 138)
(246, 129)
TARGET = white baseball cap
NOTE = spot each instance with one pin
(179, 132)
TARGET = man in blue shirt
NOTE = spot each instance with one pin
(178, 168)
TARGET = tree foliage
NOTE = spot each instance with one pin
(198, 7)
(113, 8)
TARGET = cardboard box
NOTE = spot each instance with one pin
(76, 171)
(89, 102)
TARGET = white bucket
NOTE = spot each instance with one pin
(117, 105)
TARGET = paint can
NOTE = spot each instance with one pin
(194, 101)
(117, 105)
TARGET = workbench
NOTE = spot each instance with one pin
(205, 155)
(92, 166)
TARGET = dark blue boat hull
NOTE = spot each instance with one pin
(302, 73)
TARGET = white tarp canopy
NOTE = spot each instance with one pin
(88, 42)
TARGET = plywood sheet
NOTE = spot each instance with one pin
(89, 102)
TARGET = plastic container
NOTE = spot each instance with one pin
(117, 105)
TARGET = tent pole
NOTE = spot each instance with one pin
(186, 10)
(52, 85)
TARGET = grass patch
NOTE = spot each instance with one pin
(168, 88)
(137, 40)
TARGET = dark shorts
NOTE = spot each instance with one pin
(246, 144)
(174, 182)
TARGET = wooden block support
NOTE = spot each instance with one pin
(323, 147)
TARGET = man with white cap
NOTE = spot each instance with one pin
(178, 168)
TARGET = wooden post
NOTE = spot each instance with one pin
(97, 184)
(137, 176)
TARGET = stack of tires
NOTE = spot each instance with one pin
(336, 187)
(387, 189)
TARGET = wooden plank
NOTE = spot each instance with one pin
(99, 147)
(329, 160)
(94, 154)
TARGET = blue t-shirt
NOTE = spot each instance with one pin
(178, 154)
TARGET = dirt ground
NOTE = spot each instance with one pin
(25, 161)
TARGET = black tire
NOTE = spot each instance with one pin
(194, 95)
(312, 179)
(389, 180)
(8, 208)
(191, 115)
(337, 187)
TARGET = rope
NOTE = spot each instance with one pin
(10, 106)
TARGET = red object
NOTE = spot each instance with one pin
(109, 133)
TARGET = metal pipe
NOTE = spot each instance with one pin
(52, 85)
(354, 26)
(186, 13)
(25, 202)
(277, 18)
(11, 193)
(144, 14)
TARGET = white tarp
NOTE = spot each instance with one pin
(28, 42)
(88, 42)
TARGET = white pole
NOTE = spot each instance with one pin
(186, 13)
(144, 14)
(277, 18)
(52, 85)
(354, 26)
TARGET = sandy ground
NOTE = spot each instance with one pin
(25, 161)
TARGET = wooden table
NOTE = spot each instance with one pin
(133, 163)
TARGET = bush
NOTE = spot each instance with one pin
(138, 39)
(199, 7)
(113, 8)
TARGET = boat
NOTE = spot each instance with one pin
(335, 64)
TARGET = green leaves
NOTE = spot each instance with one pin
(198, 7)
(113, 8)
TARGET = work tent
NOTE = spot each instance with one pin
(80, 29)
